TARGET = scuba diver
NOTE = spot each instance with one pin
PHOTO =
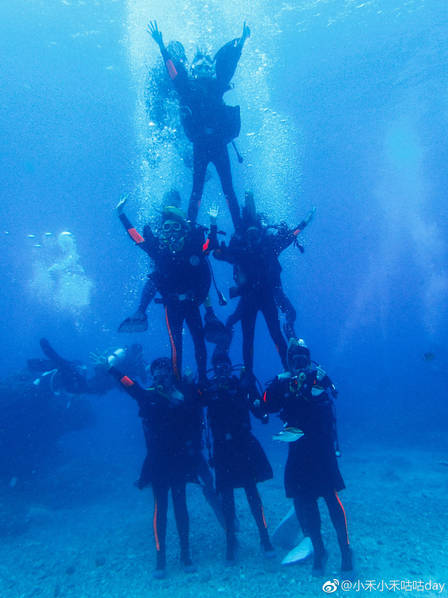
(254, 253)
(36, 412)
(181, 275)
(303, 396)
(172, 424)
(59, 375)
(238, 458)
(209, 123)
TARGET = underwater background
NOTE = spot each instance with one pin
(344, 106)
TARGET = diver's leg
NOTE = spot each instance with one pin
(174, 317)
(159, 527)
(235, 317)
(228, 507)
(72, 378)
(49, 352)
(138, 322)
(208, 490)
(194, 323)
(248, 319)
(256, 507)
(307, 511)
(200, 162)
(148, 293)
(270, 313)
(339, 520)
(221, 161)
(182, 522)
(287, 308)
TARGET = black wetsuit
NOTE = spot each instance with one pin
(209, 123)
(63, 375)
(183, 280)
(238, 458)
(311, 469)
(170, 427)
(71, 375)
(257, 273)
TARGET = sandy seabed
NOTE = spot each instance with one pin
(91, 536)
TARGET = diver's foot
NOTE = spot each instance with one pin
(159, 573)
(347, 560)
(189, 566)
(160, 570)
(319, 563)
(268, 549)
(187, 563)
(231, 551)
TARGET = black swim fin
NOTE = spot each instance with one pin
(215, 332)
(49, 352)
(134, 324)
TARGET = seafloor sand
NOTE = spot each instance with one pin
(92, 536)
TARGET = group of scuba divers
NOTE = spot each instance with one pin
(177, 408)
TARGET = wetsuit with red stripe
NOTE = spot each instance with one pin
(170, 429)
(183, 280)
(311, 469)
(209, 123)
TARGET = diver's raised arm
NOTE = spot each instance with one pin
(132, 387)
(173, 73)
(304, 223)
(245, 34)
(147, 242)
(120, 205)
(227, 57)
(153, 30)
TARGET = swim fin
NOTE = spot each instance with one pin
(299, 553)
(287, 531)
(214, 330)
(134, 323)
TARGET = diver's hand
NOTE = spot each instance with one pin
(121, 204)
(154, 32)
(213, 213)
(245, 34)
(309, 216)
(306, 221)
(98, 360)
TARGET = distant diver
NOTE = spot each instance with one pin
(63, 376)
(209, 123)
(303, 396)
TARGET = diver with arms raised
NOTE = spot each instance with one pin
(209, 123)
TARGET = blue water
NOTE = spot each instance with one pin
(344, 107)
